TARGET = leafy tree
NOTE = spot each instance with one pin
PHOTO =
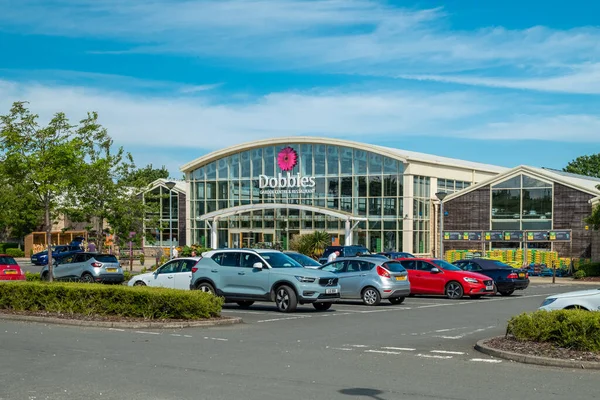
(311, 244)
(145, 176)
(19, 211)
(594, 219)
(46, 159)
(585, 165)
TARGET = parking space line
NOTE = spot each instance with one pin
(148, 333)
(356, 345)
(341, 348)
(214, 338)
(447, 352)
(432, 356)
(399, 348)
(243, 311)
(382, 352)
(485, 360)
(281, 319)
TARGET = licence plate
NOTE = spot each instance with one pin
(10, 272)
(331, 291)
(489, 287)
(400, 278)
(521, 275)
(111, 270)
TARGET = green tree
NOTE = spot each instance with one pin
(19, 211)
(585, 165)
(145, 176)
(47, 159)
(594, 219)
(311, 244)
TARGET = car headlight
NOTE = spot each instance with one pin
(306, 279)
(471, 280)
(548, 301)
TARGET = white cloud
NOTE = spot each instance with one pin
(349, 36)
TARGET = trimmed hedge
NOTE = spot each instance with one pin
(32, 277)
(5, 246)
(114, 300)
(15, 253)
(590, 269)
(572, 329)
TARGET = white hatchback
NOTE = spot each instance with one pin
(582, 299)
(175, 274)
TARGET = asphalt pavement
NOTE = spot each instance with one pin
(422, 349)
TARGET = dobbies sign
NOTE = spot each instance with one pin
(287, 159)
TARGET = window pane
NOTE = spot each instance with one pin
(346, 204)
(245, 164)
(211, 190)
(389, 207)
(269, 160)
(222, 169)
(374, 186)
(390, 186)
(506, 204)
(390, 166)
(234, 166)
(211, 171)
(360, 162)
(347, 187)
(223, 191)
(199, 174)
(537, 203)
(333, 188)
(510, 184)
(306, 159)
(345, 161)
(375, 207)
(530, 182)
(332, 160)
(319, 159)
(360, 186)
(506, 225)
(375, 164)
(257, 157)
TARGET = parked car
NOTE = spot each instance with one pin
(58, 253)
(432, 276)
(175, 274)
(86, 267)
(303, 259)
(506, 278)
(245, 276)
(396, 255)
(345, 251)
(10, 270)
(370, 279)
(581, 299)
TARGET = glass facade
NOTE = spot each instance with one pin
(522, 203)
(451, 186)
(422, 214)
(159, 219)
(346, 179)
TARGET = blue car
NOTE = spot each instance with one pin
(58, 253)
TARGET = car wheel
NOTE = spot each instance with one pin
(87, 278)
(206, 288)
(370, 296)
(45, 276)
(285, 299)
(139, 283)
(475, 296)
(245, 303)
(507, 292)
(322, 306)
(454, 290)
(397, 300)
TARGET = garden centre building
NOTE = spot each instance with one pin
(264, 192)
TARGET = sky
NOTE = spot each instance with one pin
(500, 82)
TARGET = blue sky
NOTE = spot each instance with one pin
(502, 82)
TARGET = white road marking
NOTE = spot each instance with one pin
(216, 338)
(148, 333)
(281, 319)
(115, 329)
(399, 348)
(341, 348)
(187, 335)
(447, 352)
(382, 352)
(462, 335)
(244, 312)
(485, 360)
(175, 334)
(356, 345)
(430, 356)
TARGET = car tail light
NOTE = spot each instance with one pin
(382, 272)
(526, 275)
(194, 269)
(512, 276)
(96, 264)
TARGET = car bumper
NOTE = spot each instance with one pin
(309, 296)
(512, 285)
(12, 278)
(110, 278)
(478, 290)
(390, 293)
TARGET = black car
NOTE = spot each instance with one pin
(345, 251)
(396, 255)
(303, 259)
(506, 278)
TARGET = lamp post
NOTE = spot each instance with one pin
(170, 186)
(441, 196)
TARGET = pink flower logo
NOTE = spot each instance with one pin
(287, 159)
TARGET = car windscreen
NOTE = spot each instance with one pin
(493, 264)
(106, 258)
(280, 260)
(304, 260)
(351, 251)
(4, 260)
(445, 265)
(394, 266)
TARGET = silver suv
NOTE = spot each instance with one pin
(245, 276)
(87, 267)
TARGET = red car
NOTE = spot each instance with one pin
(10, 270)
(432, 276)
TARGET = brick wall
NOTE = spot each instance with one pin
(596, 246)
(181, 240)
(571, 206)
(468, 212)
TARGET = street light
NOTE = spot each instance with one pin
(441, 196)
(170, 186)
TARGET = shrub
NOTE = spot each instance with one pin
(128, 275)
(6, 246)
(119, 300)
(15, 253)
(32, 276)
(590, 269)
(574, 329)
(579, 274)
(142, 258)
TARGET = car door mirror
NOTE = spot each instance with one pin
(435, 270)
(257, 265)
